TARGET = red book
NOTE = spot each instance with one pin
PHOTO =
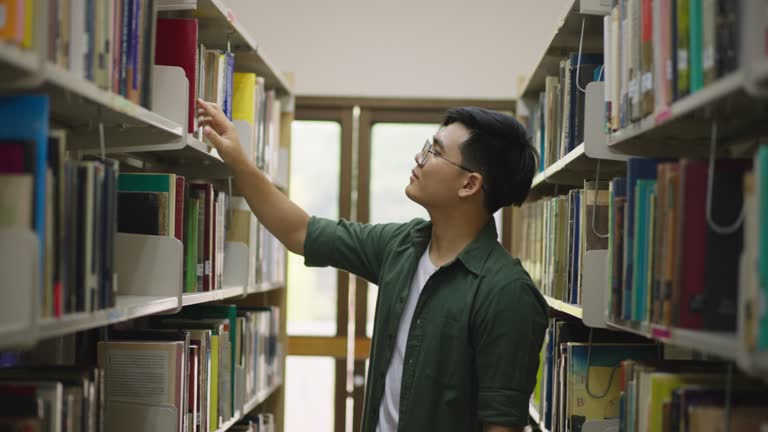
(693, 223)
(177, 46)
(207, 190)
(11, 157)
(180, 195)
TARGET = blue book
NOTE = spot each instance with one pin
(25, 118)
(637, 168)
(228, 79)
(576, 246)
(588, 64)
(645, 189)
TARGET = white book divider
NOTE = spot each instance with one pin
(20, 270)
(595, 288)
(149, 266)
(236, 265)
(595, 139)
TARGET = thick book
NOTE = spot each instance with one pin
(176, 45)
(153, 182)
(206, 193)
(642, 244)
(723, 249)
(143, 213)
(692, 225)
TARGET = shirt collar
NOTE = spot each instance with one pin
(472, 256)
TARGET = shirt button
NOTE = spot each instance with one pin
(418, 322)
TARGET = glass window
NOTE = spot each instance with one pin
(393, 146)
(309, 394)
(315, 159)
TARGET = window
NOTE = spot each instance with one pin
(309, 390)
(315, 159)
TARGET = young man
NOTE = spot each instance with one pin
(459, 324)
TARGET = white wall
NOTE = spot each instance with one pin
(403, 48)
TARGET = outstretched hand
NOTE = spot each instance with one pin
(220, 132)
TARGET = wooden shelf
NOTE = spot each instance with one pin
(684, 128)
(219, 26)
(128, 307)
(564, 41)
(566, 308)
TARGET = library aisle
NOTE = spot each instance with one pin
(139, 292)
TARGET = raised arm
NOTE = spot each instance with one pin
(284, 219)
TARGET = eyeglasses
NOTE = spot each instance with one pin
(427, 150)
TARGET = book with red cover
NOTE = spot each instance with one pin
(208, 245)
(178, 227)
(177, 46)
(693, 248)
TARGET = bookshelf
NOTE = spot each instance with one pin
(151, 138)
(670, 130)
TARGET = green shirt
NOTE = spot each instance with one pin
(473, 348)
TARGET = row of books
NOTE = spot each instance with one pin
(211, 76)
(557, 121)
(672, 259)
(670, 262)
(189, 372)
(264, 422)
(593, 379)
(193, 212)
(76, 218)
(658, 51)
(557, 232)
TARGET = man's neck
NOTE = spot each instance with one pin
(452, 231)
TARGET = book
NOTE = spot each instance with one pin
(682, 31)
(154, 183)
(761, 196)
(143, 213)
(176, 45)
(642, 244)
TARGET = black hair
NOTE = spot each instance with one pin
(499, 149)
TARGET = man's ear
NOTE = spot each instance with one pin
(473, 184)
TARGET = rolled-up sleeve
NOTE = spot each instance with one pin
(508, 331)
(357, 248)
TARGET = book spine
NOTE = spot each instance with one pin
(683, 44)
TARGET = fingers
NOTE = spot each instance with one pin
(213, 137)
(211, 111)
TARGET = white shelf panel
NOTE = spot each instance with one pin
(16, 61)
(266, 286)
(218, 25)
(231, 422)
(573, 169)
(79, 103)
(209, 296)
(127, 308)
(260, 397)
(684, 128)
(567, 308)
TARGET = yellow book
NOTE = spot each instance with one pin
(214, 406)
(29, 23)
(244, 97)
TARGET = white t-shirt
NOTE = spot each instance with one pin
(390, 404)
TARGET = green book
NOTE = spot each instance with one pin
(190, 246)
(696, 48)
(645, 188)
(761, 185)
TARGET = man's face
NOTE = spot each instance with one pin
(436, 183)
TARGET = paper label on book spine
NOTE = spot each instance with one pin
(200, 270)
(647, 82)
(207, 267)
(632, 90)
(709, 58)
(682, 60)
